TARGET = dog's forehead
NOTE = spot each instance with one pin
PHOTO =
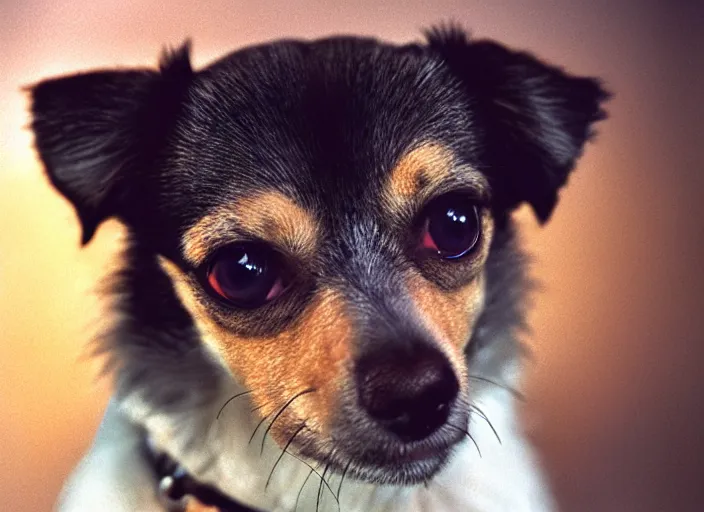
(321, 121)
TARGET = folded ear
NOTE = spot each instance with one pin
(95, 132)
(535, 117)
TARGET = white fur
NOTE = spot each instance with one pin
(114, 477)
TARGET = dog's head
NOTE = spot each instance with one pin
(324, 211)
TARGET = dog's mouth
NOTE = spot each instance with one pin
(386, 462)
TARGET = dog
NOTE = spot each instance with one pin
(321, 293)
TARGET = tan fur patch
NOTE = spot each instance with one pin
(451, 316)
(314, 353)
(194, 505)
(424, 165)
(420, 171)
(270, 216)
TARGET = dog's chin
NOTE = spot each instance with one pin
(403, 472)
(400, 464)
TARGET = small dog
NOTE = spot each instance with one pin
(321, 288)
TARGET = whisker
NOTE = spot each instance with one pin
(516, 394)
(278, 414)
(298, 497)
(344, 473)
(314, 471)
(475, 444)
(257, 427)
(483, 416)
(465, 432)
(320, 489)
(255, 409)
(322, 479)
(230, 400)
(283, 452)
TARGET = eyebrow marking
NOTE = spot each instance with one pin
(425, 168)
(423, 165)
(268, 215)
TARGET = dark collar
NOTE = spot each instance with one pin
(176, 486)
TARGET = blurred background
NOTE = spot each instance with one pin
(615, 386)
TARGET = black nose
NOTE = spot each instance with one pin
(408, 391)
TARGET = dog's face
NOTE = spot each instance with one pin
(324, 212)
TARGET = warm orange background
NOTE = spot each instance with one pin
(617, 330)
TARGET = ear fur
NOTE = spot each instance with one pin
(536, 117)
(96, 131)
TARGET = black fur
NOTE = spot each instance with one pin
(323, 122)
(536, 118)
(97, 132)
(152, 346)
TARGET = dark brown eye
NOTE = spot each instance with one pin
(246, 275)
(451, 226)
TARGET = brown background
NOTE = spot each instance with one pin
(617, 329)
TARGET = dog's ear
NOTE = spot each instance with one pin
(95, 132)
(535, 117)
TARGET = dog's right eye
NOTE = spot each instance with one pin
(451, 226)
(245, 275)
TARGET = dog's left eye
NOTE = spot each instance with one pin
(246, 275)
(451, 226)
